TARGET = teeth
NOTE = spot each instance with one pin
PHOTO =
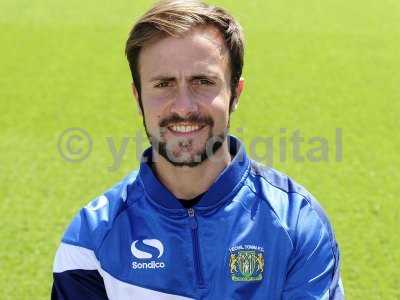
(184, 128)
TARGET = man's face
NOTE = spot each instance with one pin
(185, 93)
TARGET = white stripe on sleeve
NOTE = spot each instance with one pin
(70, 257)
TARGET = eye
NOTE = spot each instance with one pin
(163, 84)
(202, 81)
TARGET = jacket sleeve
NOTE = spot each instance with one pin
(76, 269)
(313, 270)
(76, 275)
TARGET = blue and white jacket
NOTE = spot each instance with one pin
(255, 234)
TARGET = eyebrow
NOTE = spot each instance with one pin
(195, 76)
(201, 76)
(162, 78)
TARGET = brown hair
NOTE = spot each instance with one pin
(175, 18)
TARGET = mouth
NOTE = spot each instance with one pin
(185, 129)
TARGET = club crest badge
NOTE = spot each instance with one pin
(246, 263)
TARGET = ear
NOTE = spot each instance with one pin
(239, 90)
(136, 95)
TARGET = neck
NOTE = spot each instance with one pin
(188, 182)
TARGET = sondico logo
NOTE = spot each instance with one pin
(155, 249)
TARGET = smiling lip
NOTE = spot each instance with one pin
(185, 129)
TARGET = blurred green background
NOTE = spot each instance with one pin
(311, 66)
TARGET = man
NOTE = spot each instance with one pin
(199, 220)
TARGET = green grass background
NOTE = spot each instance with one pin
(310, 65)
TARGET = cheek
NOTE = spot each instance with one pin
(220, 106)
(152, 107)
(151, 117)
(153, 103)
(219, 113)
(153, 120)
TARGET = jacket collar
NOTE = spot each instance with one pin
(226, 184)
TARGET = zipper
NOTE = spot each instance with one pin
(196, 248)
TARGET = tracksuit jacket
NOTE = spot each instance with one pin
(255, 234)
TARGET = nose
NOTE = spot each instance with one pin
(184, 103)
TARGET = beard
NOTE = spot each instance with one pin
(166, 149)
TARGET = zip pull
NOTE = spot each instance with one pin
(192, 218)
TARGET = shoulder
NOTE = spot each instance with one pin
(296, 209)
(92, 222)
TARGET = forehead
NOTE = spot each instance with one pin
(201, 49)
